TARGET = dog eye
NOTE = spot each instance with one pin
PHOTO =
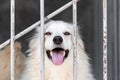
(48, 33)
(66, 33)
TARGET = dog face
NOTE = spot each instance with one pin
(58, 41)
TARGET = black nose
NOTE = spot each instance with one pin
(57, 40)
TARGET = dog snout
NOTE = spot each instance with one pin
(57, 40)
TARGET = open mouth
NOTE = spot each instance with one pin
(57, 55)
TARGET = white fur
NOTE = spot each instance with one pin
(65, 70)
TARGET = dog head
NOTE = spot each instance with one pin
(58, 41)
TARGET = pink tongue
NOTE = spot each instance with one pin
(57, 57)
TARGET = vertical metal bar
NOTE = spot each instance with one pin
(75, 40)
(12, 26)
(61, 9)
(104, 39)
(42, 40)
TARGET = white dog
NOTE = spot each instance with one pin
(58, 55)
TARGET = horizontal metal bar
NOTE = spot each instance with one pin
(38, 23)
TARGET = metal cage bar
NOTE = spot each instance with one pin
(74, 2)
(104, 39)
(42, 40)
(12, 26)
(38, 23)
(42, 19)
(75, 40)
